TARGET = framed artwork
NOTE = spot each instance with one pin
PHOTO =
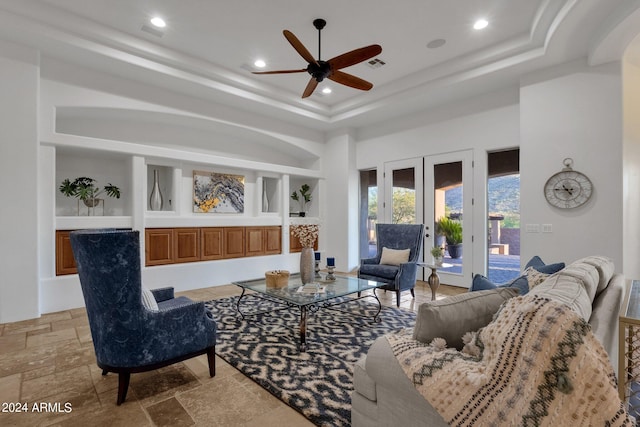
(217, 192)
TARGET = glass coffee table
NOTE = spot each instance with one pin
(322, 294)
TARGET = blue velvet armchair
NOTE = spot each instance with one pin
(127, 336)
(400, 277)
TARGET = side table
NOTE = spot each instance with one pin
(434, 279)
(629, 349)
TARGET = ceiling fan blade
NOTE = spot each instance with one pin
(355, 56)
(299, 47)
(311, 86)
(349, 80)
(280, 71)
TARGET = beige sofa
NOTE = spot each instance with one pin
(383, 394)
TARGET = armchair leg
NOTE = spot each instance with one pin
(211, 358)
(104, 372)
(398, 298)
(413, 294)
(123, 386)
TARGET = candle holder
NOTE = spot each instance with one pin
(318, 269)
(330, 269)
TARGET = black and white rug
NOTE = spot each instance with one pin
(317, 383)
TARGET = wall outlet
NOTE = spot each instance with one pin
(547, 228)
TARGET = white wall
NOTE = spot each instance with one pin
(631, 168)
(572, 111)
(19, 73)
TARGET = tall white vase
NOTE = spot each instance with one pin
(155, 201)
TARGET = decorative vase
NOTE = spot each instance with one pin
(437, 261)
(155, 201)
(265, 199)
(307, 265)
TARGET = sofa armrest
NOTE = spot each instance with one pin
(162, 294)
(450, 318)
(605, 314)
(400, 402)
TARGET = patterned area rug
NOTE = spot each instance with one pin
(319, 382)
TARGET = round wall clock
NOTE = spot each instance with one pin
(568, 188)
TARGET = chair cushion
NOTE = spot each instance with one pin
(450, 318)
(566, 289)
(379, 270)
(148, 300)
(394, 256)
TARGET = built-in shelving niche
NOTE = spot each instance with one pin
(165, 182)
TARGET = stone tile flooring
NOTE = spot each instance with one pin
(50, 361)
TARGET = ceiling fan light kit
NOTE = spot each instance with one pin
(320, 70)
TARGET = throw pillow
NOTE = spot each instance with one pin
(394, 256)
(148, 300)
(534, 277)
(539, 265)
(450, 318)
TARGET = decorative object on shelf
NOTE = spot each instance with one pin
(437, 253)
(331, 266)
(155, 201)
(277, 279)
(84, 188)
(452, 230)
(317, 254)
(307, 234)
(303, 199)
(568, 188)
(265, 199)
(218, 192)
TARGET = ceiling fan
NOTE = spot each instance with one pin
(319, 69)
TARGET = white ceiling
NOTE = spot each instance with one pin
(208, 47)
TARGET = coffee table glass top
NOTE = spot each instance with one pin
(320, 290)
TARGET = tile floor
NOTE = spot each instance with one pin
(50, 360)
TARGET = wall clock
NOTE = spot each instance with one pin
(568, 188)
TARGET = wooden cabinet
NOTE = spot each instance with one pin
(211, 240)
(272, 240)
(65, 263)
(255, 241)
(178, 245)
(186, 244)
(159, 246)
(233, 242)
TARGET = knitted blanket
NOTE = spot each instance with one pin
(537, 363)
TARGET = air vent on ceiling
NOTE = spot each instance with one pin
(375, 63)
(152, 31)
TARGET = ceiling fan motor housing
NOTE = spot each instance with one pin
(320, 71)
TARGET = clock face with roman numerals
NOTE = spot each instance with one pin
(568, 189)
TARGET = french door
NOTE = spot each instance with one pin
(448, 189)
(403, 198)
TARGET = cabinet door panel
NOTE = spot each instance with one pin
(233, 242)
(212, 243)
(65, 263)
(255, 241)
(187, 244)
(158, 246)
(273, 240)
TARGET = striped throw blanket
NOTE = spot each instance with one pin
(536, 364)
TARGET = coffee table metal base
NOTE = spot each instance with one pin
(305, 309)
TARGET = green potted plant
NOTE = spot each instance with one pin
(437, 253)
(452, 230)
(303, 199)
(84, 188)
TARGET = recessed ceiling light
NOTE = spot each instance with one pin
(260, 63)
(326, 90)
(158, 22)
(480, 24)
